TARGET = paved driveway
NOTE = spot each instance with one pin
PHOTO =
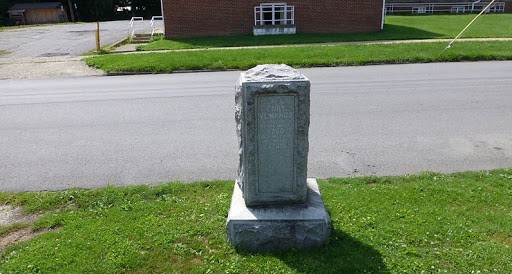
(54, 50)
(59, 40)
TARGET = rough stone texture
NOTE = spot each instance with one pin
(278, 227)
(272, 117)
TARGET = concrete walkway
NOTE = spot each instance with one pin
(45, 67)
(127, 48)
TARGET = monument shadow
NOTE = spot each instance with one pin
(342, 254)
(274, 205)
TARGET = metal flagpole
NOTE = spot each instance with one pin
(470, 23)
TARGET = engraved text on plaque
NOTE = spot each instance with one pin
(276, 131)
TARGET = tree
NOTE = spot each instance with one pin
(146, 8)
(4, 5)
(97, 10)
(89, 10)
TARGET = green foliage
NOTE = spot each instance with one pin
(4, 16)
(303, 56)
(146, 8)
(96, 10)
(4, 6)
(431, 222)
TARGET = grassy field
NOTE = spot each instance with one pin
(397, 28)
(459, 223)
(310, 56)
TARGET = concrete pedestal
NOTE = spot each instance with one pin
(270, 228)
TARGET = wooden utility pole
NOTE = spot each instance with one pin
(97, 36)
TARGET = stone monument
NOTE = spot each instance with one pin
(274, 205)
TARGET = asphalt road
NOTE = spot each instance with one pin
(373, 120)
(59, 40)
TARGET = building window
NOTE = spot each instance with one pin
(274, 14)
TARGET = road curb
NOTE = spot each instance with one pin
(121, 73)
(118, 43)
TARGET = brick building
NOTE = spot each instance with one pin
(194, 18)
(508, 6)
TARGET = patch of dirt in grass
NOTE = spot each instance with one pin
(502, 238)
(17, 236)
(12, 216)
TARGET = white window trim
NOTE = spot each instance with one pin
(286, 10)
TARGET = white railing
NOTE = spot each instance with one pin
(137, 23)
(496, 7)
(157, 25)
(458, 7)
(274, 14)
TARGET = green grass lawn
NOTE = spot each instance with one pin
(458, 223)
(309, 56)
(396, 28)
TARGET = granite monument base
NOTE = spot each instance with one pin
(280, 227)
